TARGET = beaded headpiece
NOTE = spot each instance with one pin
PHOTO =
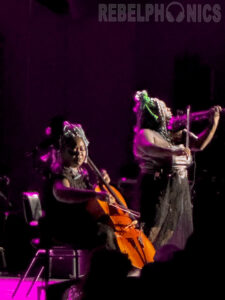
(156, 109)
(144, 101)
(75, 130)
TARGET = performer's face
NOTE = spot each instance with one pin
(166, 111)
(74, 155)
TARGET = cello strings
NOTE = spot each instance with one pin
(136, 214)
(110, 191)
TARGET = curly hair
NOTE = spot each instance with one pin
(148, 121)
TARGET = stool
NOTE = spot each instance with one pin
(56, 258)
(68, 263)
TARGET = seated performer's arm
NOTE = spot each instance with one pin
(64, 193)
(205, 137)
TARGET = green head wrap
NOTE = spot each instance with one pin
(144, 101)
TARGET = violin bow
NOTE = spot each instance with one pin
(188, 126)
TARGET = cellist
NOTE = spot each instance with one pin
(76, 213)
(68, 190)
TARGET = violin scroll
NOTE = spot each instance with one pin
(179, 121)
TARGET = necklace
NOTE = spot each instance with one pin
(75, 173)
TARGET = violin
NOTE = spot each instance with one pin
(176, 122)
(130, 240)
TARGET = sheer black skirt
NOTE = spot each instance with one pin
(165, 204)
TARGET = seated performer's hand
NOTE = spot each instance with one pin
(111, 199)
(103, 196)
(105, 176)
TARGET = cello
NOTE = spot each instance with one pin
(131, 240)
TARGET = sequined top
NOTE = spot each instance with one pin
(149, 164)
(67, 213)
(78, 179)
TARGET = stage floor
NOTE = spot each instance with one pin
(8, 285)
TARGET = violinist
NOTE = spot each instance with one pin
(68, 190)
(164, 193)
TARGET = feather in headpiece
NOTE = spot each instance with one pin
(146, 102)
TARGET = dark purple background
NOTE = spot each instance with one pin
(53, 64)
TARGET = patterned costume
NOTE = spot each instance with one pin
(164, 193)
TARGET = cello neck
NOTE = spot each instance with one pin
(96, 170)
(131, 213)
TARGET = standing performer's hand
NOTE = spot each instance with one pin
(215, 114)
(181, 150)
